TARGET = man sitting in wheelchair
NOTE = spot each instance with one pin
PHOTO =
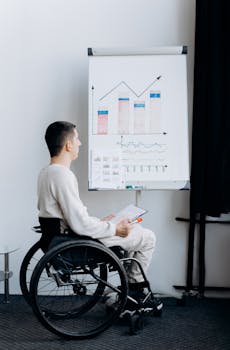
(58, 198)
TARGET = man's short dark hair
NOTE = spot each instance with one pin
(56, 136)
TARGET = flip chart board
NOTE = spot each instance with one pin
(138, 119)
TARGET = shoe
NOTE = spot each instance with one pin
(130, 308)
(136, 291)
(151, 305)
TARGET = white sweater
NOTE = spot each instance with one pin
(58, 197)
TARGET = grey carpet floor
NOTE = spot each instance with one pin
(202, 324)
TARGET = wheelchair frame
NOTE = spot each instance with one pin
(46, 305)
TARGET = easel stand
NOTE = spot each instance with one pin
(199, 289)
(137, 197)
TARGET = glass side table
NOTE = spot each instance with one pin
(6, 273)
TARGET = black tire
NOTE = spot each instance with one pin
(70, 287)
(28, 264)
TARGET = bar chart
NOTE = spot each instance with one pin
(130, 113)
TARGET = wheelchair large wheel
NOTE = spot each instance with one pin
(72, 286)
(27, 267)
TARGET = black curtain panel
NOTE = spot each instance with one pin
(210, 172)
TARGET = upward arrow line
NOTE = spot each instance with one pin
(124, 83)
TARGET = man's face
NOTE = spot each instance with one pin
(75, 145)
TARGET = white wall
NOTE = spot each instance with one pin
(43, 77)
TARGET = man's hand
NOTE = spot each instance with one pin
(123, 228)
(107, 218)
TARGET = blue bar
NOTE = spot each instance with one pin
(139, 105)
(123, 99)
(155, 95)
(102, 112)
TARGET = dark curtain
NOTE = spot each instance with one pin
(210, 173)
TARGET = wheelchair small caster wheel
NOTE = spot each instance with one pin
(157, 313)
(136, 324)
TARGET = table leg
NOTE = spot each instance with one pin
(6, 279)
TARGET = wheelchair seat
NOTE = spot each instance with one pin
(51, 229)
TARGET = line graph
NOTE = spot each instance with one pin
(144, 151)
(131, 89)
(144, 159)
(141, 145)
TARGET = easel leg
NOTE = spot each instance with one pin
(189, 281)
(202, 256)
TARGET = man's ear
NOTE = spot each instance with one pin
(68, 146)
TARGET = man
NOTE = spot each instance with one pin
(58, 197)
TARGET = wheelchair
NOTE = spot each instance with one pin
(79, 287)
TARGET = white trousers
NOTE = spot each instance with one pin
(139, 244)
